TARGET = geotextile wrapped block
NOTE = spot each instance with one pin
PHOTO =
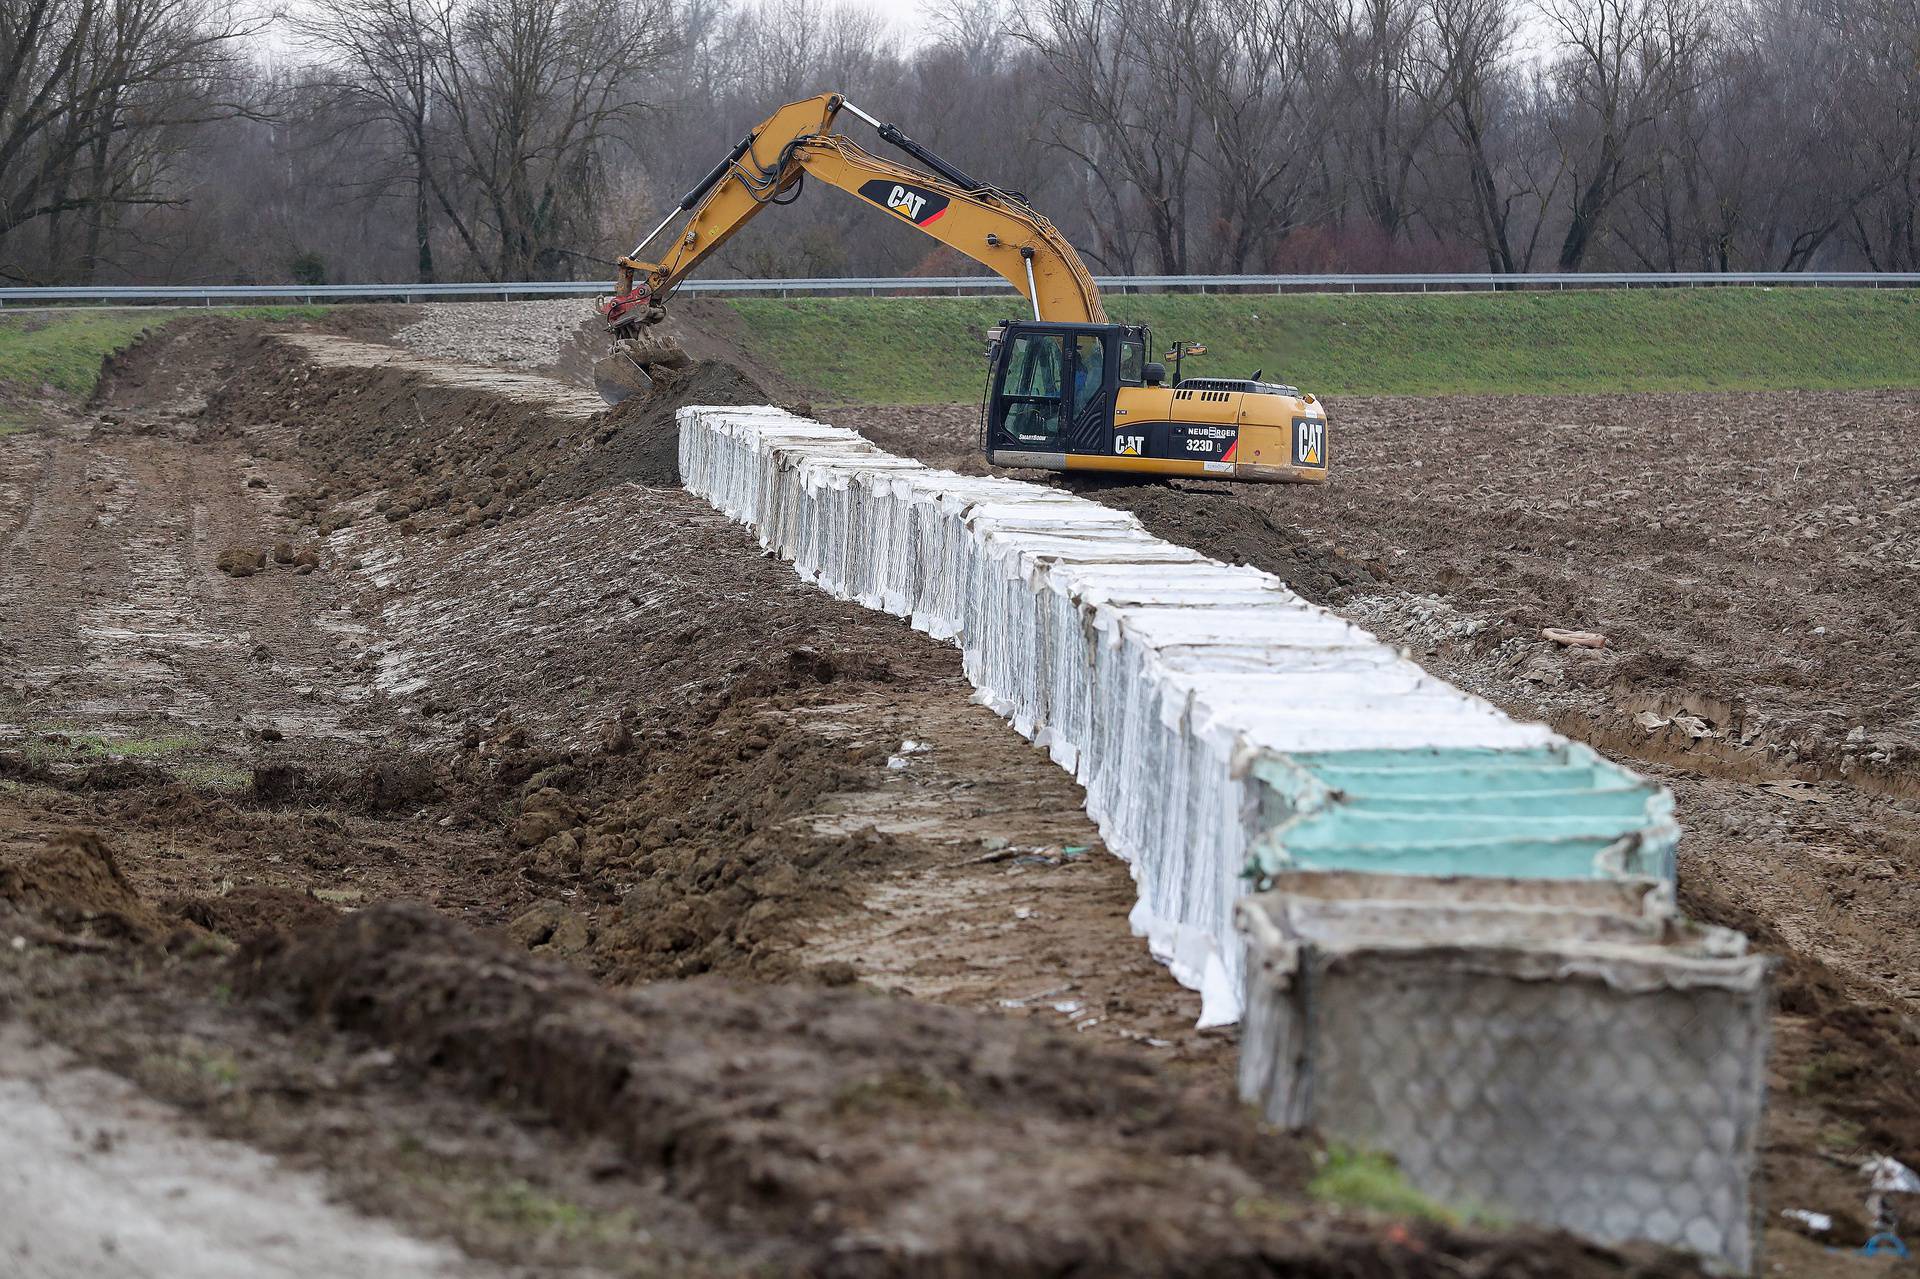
(1561, 1051)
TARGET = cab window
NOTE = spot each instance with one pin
(1089, 371)
(1133, 362)
(1034, 368)
(1030, 390)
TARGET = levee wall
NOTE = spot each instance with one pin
(1226, 730)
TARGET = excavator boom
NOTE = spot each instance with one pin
(993, 227)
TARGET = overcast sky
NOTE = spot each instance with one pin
(908, 20)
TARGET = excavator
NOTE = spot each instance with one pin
(1067, 390)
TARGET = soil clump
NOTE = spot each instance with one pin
(641, 441)
(76, 884)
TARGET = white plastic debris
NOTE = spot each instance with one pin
(1889, 1176)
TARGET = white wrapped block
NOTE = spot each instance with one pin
(1203, 706)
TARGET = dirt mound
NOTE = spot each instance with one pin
(252, 910)
(397, 783)
(451, 459)
(172, 357)
(875, 1136)
(945, 435)
(75, 883)
(1212, 519)
(370, 322)
(241, 561)
(439, 452)
(709, 332)
(687, 841)
(385, 785)
(147, 369)
(641, 439)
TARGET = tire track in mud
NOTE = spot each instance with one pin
(117, 618)
(23, 477)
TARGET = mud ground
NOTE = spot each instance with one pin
(1753, 561)
(398, 777)
(184, 1203)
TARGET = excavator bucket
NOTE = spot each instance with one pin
(617, 377)
(636, 363)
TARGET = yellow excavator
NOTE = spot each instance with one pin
(1067, 390)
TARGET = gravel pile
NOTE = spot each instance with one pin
(514, 334)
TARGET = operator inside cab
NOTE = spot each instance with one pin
(1087, 372)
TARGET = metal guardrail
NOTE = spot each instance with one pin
(207, 295)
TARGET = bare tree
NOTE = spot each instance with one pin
(97, 97)
(788, 49)
(1251, 71)
(1624, 64)
(380, 57)
(1123, 115)
(531, 91)
(1796, 102)
(1387, 99)
(975, 61)
(512, 138)
(1880, 107)
(1468, 52)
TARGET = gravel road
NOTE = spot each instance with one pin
(516, 334)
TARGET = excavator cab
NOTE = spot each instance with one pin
(1085, 397)
(1054, 388)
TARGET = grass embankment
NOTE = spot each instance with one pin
(928, 350)
(60, 354)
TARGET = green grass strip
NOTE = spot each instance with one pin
(76, 745)
(1372, 1183)
(60, 352)
(929, 350)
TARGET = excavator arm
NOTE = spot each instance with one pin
(993, 227)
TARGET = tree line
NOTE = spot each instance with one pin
(353, 140)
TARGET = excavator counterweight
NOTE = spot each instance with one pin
(1068, 390)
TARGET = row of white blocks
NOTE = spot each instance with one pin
(1153, 674)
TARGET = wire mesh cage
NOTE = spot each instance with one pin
(1565, 1052)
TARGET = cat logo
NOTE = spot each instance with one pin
(1309, 441)
(903, 201)
(1129, 445)
(916, 204)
